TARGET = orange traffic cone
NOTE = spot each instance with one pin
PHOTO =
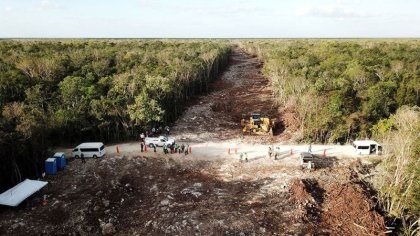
(145, 148)
(190, 151)
(44, 200)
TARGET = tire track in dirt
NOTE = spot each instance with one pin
(240, 89)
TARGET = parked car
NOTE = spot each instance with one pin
(94, 150)
(159, 141)
(307, 160)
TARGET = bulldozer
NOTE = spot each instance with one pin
(254, 123)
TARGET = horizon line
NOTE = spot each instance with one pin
(192, 38)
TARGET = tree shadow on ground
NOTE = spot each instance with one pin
(317, 192)
(322, 162)
(279, 128)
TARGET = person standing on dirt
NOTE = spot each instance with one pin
(165, 149)
(310, 148)
(176, 146)
(186, 149)
(167, 130)
(142, 137)
(183, 147)
(270, 152)
(276, 152)
(141, 146)
(154, 148)
(82, 157)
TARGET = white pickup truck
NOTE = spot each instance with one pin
(159, 141)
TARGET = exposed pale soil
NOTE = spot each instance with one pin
(241, 89)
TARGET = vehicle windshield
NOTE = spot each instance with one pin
(307, 157)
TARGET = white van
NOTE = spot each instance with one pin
(367, 147)
(94, 150)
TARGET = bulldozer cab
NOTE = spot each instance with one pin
(251, 116)
(256, 119)
(256, 116)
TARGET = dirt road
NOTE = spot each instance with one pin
(239, 90)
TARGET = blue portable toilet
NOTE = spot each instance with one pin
(61, 160)
(51, 166)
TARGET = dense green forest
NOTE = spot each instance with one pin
(340, 89)
(64, 92)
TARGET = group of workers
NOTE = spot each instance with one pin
(274, 151)
(173, 149)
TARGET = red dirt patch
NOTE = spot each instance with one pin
(335, 208)
(347, 210)
(299, 191)
(290, 119)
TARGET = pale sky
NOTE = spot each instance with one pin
(209, 18)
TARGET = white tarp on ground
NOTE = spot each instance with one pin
(20, 192)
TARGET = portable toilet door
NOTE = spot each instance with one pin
(61, 160)
(51, 166)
